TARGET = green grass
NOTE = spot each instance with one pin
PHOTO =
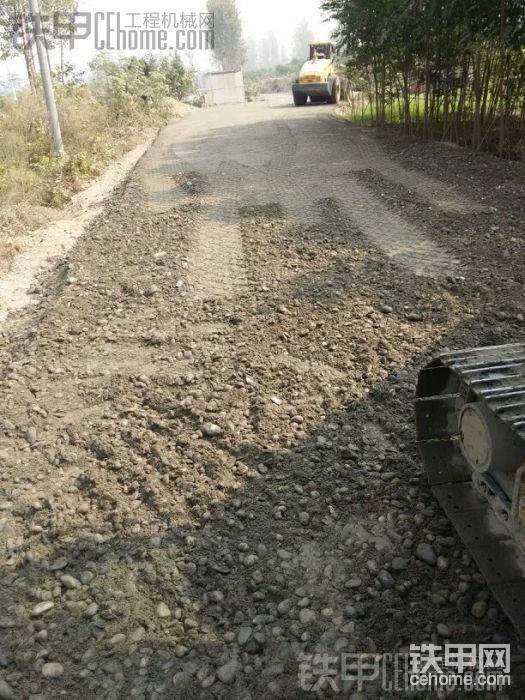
(363, 113)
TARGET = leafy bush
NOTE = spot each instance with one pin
(180, 81)
(131, 86)
(127, 87)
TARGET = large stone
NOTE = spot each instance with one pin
(6, 692)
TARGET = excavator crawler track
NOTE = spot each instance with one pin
(470, 422)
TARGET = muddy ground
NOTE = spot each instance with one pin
(208, 459)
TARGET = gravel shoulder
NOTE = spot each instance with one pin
(207, 453)
(39, 248)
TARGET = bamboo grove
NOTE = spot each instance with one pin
(447, 69)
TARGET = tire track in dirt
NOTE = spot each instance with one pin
(394, 236)
(364, 153)
(293, 158)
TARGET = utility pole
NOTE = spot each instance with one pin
(43, 60)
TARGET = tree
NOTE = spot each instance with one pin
(131, 84)
(252, 54)
(302, 39)
(180, 81)
(229, 50)
(453, 70)
(16, 33)
(269, 51)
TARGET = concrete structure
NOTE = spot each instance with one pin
(224, 87)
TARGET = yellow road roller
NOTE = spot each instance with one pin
(317, 79)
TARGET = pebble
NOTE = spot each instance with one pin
(284, 555)
(181, 683)
(92, 609)
(70, 582)
(354, 583)
(277, 606)
(285, 606)
(399, 564)
(211, 430)
(41, 608)
(426, 553)
(52, 670)
(58, 564)
(442, 563)
(137, 635)
(442, 630)
(307, 616)
(244, 635)
(227, 673)
(385, 579)
(163, 611)
(208, 681)
(479, 609)
(31, 435)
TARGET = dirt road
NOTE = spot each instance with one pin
(207, 453)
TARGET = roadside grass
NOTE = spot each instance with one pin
(32, 179)
(359, 109)
(100, 121)
(451, 129)
(30, 175)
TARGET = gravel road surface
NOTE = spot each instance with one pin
(208, 468)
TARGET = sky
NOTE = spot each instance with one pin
(257, 17)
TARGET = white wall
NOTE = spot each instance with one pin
(222, 88)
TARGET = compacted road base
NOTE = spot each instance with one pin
(208, 466)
